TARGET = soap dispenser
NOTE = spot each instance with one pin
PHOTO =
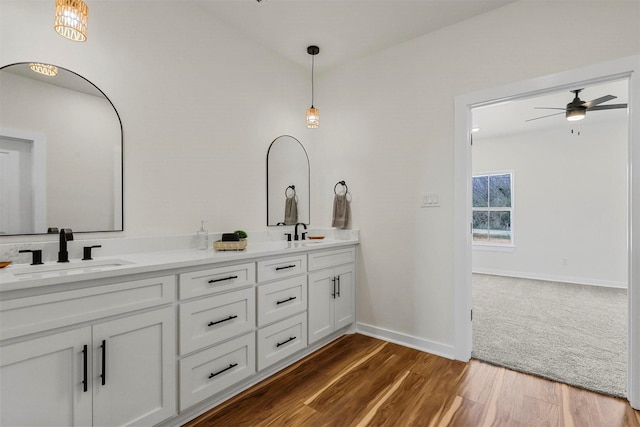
(202, 237)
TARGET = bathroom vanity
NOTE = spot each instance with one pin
(159, 338)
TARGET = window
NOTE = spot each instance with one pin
(493, 208)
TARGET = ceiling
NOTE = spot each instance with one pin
(510, 117)
(343, 29)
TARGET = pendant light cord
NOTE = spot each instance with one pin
(312, 67)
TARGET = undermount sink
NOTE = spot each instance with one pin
(60, 269)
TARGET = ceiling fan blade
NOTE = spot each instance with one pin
(597, 101)
(607, 107)
(542, 117)
(548, 108)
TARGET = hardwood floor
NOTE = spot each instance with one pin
(362, 381)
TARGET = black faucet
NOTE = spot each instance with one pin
(66, 235)
(303, 235)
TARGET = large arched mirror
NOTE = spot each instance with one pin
(288, 195)
(60, 154)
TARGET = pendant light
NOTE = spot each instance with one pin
(71, 19)
(313, 114)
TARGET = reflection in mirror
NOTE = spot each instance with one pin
(60, 154)
(288, 195)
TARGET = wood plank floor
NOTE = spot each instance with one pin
(362, 381)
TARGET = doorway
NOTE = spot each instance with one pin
(624, 68)
(549, 243)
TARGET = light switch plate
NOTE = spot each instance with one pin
(430, 200)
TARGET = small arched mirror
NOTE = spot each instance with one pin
(288, 194)
(60, 153)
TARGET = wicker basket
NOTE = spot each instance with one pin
(240, 245)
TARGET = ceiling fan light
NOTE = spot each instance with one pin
(575, 115)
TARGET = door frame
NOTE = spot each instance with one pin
(628, 67)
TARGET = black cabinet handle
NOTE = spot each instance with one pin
(84, 369)
(333, 293)
(338, 294)
(223, 279)
(285, 267)
(285, 300)
(104, 362)
(285, 341)
(231, 366)
(220, 321)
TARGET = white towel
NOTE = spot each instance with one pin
(291, 211)
(340, 211)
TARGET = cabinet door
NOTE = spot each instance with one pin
(321, 307)
(41, 381)
(134, 369)
(345, 295)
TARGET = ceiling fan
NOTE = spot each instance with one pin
(577, 109)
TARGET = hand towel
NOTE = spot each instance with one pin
(291, 211)
(340, 211)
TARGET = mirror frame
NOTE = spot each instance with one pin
(308, 218)
(121, 184)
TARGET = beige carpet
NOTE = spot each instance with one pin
(570, 333)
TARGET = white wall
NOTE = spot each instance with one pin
(388, 129)
(570, 210)
(199, 104)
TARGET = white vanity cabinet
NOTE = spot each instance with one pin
(217, 330)
(150, 348)
(103, 373)
(282, 306)
(331, 291)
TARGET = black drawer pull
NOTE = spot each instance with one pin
(286, 341)
(231, 366)
(223, 320)
(285, 267)
(84, 369)
(104, 362)
(338, 293)
(223, 279)
(285, 300)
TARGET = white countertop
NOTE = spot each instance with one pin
(136, 263)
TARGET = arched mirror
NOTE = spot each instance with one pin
(60, 153)
(288, 198)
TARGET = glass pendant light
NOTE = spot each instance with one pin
(71, 19)
(313, 114)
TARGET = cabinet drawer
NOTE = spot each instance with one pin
(282, 339)
(281, 299)
(325, 259)
(210, 320)
(42, 312)
(210, 371)
(214, 280)
(281, 267)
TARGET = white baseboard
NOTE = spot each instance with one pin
(433, 347)
(553, 278)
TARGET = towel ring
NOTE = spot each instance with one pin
(286, 191)
(344, 184)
